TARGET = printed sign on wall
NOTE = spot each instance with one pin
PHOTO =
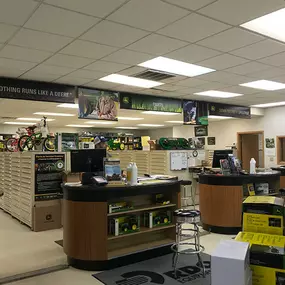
(195, 113)
(36, 91)
(225, 110)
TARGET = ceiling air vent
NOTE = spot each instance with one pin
(154, 75)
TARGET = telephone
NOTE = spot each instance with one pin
(90, 178)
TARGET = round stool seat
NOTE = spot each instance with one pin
(186, 182)
(187, 213)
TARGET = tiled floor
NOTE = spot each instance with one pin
(22, 250)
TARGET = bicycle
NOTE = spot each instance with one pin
(11, 145)
(174, 143)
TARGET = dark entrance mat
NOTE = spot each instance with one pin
(159, 271)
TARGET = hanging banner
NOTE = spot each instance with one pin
(195, 113)
(149, 103)
(36, 91)
(98, 104)
(225, 110)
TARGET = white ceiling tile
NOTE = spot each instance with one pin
(148, 14)
(39, 76)
(184, 29)
(175, 79)
(39, 40)
(192, 82)
(10, 72)
(102, 85)
(237, 12)
(15, 64)
(52, 69)
(223, 61)
(192, 53)
(276, 60)
(213, 86)
(68, 61)
(191, 4)
(239, 89)
(171, 87)
(98, 8)
(16, 12)
(268, 73)
(88, 74)
(72, 80)
(260, 49)
(191, 90)
(128, 57)
(113, 34)
(231, 39)
(62, 22)
(106, 66)
(25, 54)
(6, 32)
(247, 68)
(157, 44)
(87, 49)
(132, 70)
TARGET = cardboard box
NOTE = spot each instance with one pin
(266, 258)
(230, 264)
(263, 214)
(47, 215)
(71, 177)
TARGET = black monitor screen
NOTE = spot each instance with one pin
(220, 154)
(91, 160)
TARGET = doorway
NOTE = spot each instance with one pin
(250, 145)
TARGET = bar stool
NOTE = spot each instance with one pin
(185, 198)
(190, 217)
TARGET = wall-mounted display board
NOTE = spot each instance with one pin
(242, 112)
(98, 104)
(211, 140)
(178, 160)
(201, 131)
(36, 91)
(195, 113)
(149, 103)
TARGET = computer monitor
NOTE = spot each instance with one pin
(88, 160)
(220, 154)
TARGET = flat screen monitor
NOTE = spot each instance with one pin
(220, 154)
(91, 160)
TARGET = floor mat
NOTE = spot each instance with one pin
(159, 271)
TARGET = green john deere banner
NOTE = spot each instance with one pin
(149, 103)
(225, 110)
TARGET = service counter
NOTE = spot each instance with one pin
(221, 199)
(86, 238)
(281, 169)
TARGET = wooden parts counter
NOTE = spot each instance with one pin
(86, 240)
(221, 199)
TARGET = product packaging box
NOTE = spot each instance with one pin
(263, 214)
(117, 207)
(230, 264)
(47, 215)
(267, 258)
(157, 218)
(124, 225)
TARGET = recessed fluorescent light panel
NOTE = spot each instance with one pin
(264, 85)
(174, 122)
(67, 105)
(34, 119)
(218, 117)
(271, 25)
(150, 125)
(54, 114)
(127, 128)
(130, 119)
(218, 94)
(19, 123)
(132, 81)
(100, 122)
(80, 126)
(268, 105)
(160, 113)
(175, 66)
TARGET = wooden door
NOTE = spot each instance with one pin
(249, 149)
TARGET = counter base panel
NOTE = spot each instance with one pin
(222, 230)
(112, 263)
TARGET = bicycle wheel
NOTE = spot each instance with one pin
(49, 144)
(12, 145)
(22, 142)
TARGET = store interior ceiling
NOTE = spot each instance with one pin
(80, 42)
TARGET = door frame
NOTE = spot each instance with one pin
(239, 135)
(278, 150)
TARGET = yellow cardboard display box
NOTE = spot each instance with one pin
(263, 214)
(267, 257)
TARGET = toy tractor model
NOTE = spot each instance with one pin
(161, 218)
(131, 224)
(115, 145)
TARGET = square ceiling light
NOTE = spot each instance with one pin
(68, 105)
(219, 117)
(132, 81)
(34, 119)
(218, 94)
(271, 25)
(54, 114)
(150, 125)
(98, 122)
(264, 85)
(160, 113)
(175, 66)
(127, 128)
(268, 105)
(130, 118)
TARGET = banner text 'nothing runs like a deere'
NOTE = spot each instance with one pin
(36, 91)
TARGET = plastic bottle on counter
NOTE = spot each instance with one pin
(252, 166)
(129, 172)
(134, 178)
